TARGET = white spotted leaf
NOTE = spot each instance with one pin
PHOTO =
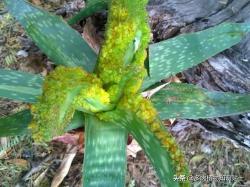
(20, 86)
(172, 56)
(15, 124)
(156, 153)
(191, 102)
(105, 153)
(53, 35)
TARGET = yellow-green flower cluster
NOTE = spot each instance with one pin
(144, 109)
(92, 99)
(64, 90)
(121, 60)
(166, 139)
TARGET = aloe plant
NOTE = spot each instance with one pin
(103, 91)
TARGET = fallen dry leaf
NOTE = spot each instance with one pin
(196, 159)
(40, 178)
(68, 138)
(133, 148)
(89, 34)
(19, 162)
(65, 166)
(75, 138)
(36, 2)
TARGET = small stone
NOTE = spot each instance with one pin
(205, 148)
(22, 53)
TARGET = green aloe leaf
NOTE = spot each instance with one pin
(91, 8)
(105, 154)
(158, 156)
(20, 86)
(16, 124)
(76, 122)
(191, 102)
(54, 37)
(172, 56)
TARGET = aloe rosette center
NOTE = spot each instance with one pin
(113, 86)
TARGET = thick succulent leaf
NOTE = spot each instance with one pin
(91, 8)
(172, 56)
(158, 156)
(191, 102)
(76, 122)
(16, 124)
(20, 86)
(54, 37)
(105, 154)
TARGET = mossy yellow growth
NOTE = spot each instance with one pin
(93, 99)
(64, 90)
(121, 68)
(149, 115)
(123, 53)
(144, 110)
